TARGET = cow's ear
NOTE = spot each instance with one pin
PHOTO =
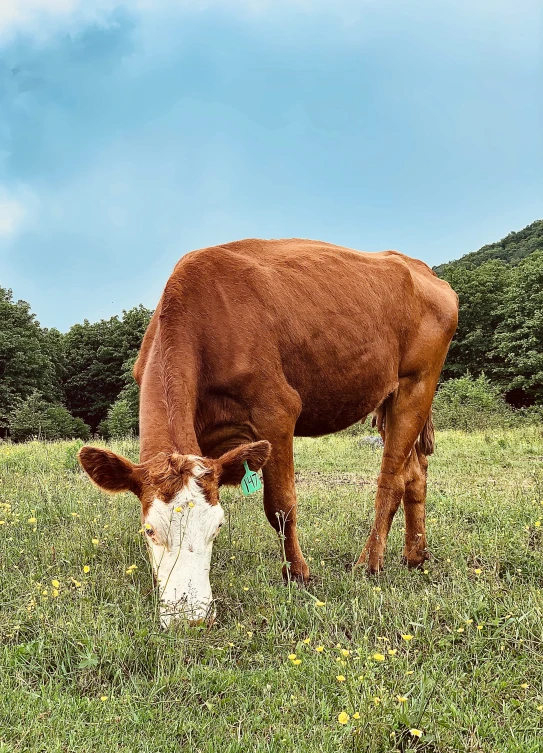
(230, 466)
(109, 471)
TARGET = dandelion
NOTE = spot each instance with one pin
(379, 657)
(343, 718)
(345, 652)
(104, 697)
(410, 672)
(540, 708)
(525, 685)
(537, 523)
(292, 657)
(86, 569)
(319, 649)
(356, 715)
(95, 542)
(32, 520)
(401, 698)
(55, 592)
(178, 509)
(377, 588)
(296, 662)
(340, 678)
(55, 584)
(416, 732)
(44, 592)
(249, 634)
(407, 637)
(245, 588)
(477, 571)
(469, 622)
(320, 603)
(392, 651)
(377, 700)
(460, 630)
(479, 627)
(307, 641)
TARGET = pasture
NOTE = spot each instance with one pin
(445, 659)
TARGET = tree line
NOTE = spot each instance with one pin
(80, 382)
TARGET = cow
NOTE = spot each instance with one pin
(258, 341)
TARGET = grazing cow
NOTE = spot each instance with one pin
(256, 342)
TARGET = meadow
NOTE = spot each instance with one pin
(449, 658)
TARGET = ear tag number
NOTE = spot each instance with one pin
(250, 482)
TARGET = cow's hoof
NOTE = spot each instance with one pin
(416, 560)
(373, 560)
(297, 574)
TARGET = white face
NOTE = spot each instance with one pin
(180, 536)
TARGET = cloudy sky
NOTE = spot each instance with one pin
(132, 133)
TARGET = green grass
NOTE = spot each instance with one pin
(233, 687)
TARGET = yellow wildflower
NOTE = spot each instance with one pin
(55, 592)
(525, 685)
(377, 700)
(178, 509)
(292, 657)
(307, 641)
(297, 661)
(345, 652)
(104, 697)
(477, 571)
(340, 678)
(343, 718)
(95, 542)
(416, 732)
(479, 627)
(191, 504)
(86, 569)
(401, 698)
(320, 603)
(32, 520)
(55, 584)
(407, 637)
(356, 715)
(392, 651)
(379, 657)
(319, 649)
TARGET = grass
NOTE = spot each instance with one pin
(88, 669)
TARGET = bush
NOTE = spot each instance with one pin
(471, 405)
(36, 417)
(120, 422)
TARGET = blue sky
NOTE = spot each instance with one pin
(133, 133)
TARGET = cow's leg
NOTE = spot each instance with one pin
(280, 504)
(415, 552)
(406, 412)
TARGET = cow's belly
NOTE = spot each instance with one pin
(331, 407)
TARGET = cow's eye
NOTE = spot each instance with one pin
(150, 531)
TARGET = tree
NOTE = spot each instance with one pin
(25, 361)
(480, 292)
(95, 357)
(36, 417)
(519, 337)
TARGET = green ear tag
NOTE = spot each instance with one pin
(250, 482)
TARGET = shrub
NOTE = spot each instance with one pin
(470, 405)
(120, 421)
(36, 417)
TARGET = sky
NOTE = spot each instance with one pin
(132, 133)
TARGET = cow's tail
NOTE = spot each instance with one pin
(426, 440)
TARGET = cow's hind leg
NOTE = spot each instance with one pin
(406, 413)
(415, 552)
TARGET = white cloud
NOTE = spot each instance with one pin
(12, 214)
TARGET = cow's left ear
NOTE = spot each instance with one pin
(230, 466)
(109, 471)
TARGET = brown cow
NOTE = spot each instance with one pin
(253, 343)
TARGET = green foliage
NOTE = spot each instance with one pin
(120, 421)
(95, 357)
(518, 341)
(471, 405)
(26, 363)
(511, 250)
(36, 417)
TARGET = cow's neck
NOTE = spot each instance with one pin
(166, 420)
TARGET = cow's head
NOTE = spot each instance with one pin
(181, 515)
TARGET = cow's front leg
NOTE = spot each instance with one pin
(280, 505)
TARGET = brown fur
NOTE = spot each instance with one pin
(259, 340)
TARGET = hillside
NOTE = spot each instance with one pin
(511, 249)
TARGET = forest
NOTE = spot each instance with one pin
(79, 383)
